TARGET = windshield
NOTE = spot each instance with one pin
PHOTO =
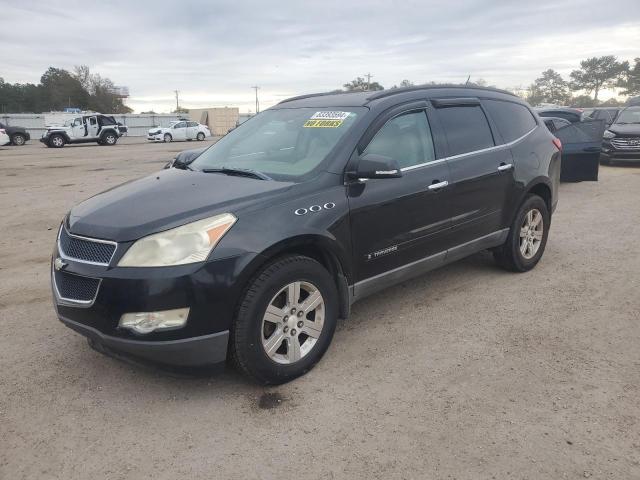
(629, 115)
(284, 144)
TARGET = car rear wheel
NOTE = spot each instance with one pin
(527, 237)
(167, 138)
(56, 141)
(200, 136)
(109, 139)
(286, 320)
(18, 139)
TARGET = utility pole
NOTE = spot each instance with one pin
(255, 87)
(177, 92)
(368, 75)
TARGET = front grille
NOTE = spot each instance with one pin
(74, 288)
(626, 143)
(85, 249)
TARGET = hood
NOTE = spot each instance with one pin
(165, 200)
(625, 128)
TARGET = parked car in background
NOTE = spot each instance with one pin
(179, 131)
(622, 139)
(184, 158)
(102, 129)
(4, 137)
(571, 114)
(258, 247)
(555, 123)
(608, 114)
(18, 135)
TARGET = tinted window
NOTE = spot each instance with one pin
(406, 138)
(466, 128)
(513, 120)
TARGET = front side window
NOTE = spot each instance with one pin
(466, 128)
(512, 119)
(406, 139)
(180, 125)
(93, 121)
(285, 144)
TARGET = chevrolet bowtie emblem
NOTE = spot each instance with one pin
(58, 264)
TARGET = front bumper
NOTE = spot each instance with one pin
(200, 351)
(156, 138)
(211, 291)
(611, 152)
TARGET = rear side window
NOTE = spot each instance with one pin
(513, 120)
(466, 128)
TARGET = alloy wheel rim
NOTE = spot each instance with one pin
(19, 140)
(531, 233)
(292, 322)
(57, 141)
(110, 139)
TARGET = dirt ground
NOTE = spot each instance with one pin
(467, 373)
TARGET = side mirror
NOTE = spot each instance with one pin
(371, 165)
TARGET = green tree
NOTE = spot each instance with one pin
(61, 89)
(597, 73)
(552, 87)
(180, 110)
(630, 80)
(533, 95)
(101, 91)
(360, 85)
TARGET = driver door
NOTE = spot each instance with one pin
(398, 225)
(179, 131)
(78, 128)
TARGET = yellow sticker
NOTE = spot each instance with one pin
(322, 123)
(326, 119)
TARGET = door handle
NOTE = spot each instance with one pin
(438, 185)
(503, 167)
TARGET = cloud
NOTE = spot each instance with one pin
(213, 52)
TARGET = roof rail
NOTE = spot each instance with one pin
(394, 91)
(310, 95)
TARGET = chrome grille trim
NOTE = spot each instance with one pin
(72, 301)
(626, 143)
(64, 255)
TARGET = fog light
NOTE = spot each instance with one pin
(147, 322)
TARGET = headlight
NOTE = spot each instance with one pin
(189, 243)
(609, 134)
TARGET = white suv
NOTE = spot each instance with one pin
(178, 131)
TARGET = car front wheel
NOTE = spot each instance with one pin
(286, 320)
(167, 138)
(56, 141)
(527, 237)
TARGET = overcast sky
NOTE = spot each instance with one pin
(213, 52)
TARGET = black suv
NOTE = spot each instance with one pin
(256, 247)
(18, 135)
(622, 138)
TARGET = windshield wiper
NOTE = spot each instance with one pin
(240, 172)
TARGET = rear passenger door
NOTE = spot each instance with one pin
(192, 130)
(481, 172)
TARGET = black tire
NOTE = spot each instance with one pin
(167, 138)
(200, 136)
(56, 141)
(509, 255)
(109, 139)
(246, 349)
(18, 139)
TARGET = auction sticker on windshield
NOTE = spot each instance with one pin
(326, 119)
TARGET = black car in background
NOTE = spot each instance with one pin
(573, 115)
(18, 135)
(254, 248)
(621, 140)
(608, 114)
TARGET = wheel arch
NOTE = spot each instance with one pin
(543, 188)
(321, 249)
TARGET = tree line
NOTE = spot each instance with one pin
(594, 75)
(58, 89)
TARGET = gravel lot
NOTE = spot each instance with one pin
(466, 373)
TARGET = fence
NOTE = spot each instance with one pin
(35, 123)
